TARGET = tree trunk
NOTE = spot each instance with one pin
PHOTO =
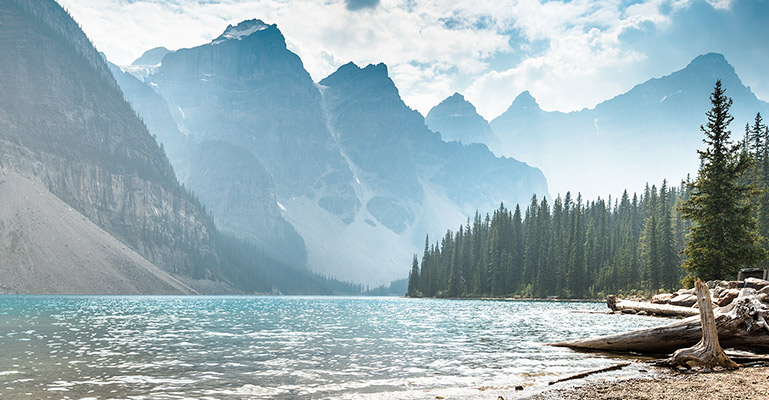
(650, 308)
(740, 325)
(708, 351)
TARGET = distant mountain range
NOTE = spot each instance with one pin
(90, 203)
(356, 172)
(645, 135)
(225, 168)
(457, 120)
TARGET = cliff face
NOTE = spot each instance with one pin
(64, 124)
(230, 181)
(48, 247)
(389, 140)
(456, 119)
(241, 195)
(250, 91)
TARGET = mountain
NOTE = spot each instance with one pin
(407, 162)
(356, 172)
(66, 126)
(148, 62)
(457, 120)
(645, 135)
(38, 230)
(151, 57)
(90, 202)
(229, 180)
(250, 91)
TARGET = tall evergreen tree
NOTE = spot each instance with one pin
(668, 256)
(724, 237)
(413, 287)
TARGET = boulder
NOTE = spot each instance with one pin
(756, 283)
(727, 296)
(684, 300)
(662, 298)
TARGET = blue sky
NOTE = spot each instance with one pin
(568, 54)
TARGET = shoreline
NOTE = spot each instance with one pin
(748, 383)
(554, 300)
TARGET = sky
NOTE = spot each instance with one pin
(569, 54)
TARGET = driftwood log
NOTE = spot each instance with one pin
(707, 352)
(740, 325)
(666, 310)
(588, 373)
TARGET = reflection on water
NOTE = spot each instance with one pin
(289, 347)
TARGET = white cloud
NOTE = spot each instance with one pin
(570, 55)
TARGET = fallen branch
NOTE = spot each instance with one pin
(740, 325)
(650, 308)
(588, 373)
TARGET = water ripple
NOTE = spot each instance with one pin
(289, 347)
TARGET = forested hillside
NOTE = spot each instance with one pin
(576, 248)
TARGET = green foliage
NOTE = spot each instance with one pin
(631, 247)
(725, 235)
(572, 250)
(413, 285)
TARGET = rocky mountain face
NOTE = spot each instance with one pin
(90, 202)
(391, 143)
(457, 120)
(229, 180)
(241, 196)
(46, 246)
(645, 135)
(355, 171)
(65, 125)
(151, 57)
(242, 90)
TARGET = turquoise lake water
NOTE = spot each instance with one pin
(141, 347)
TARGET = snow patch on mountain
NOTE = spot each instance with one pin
(241, 30)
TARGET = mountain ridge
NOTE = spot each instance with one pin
(370, 185)
(648, 133)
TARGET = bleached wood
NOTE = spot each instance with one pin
(707, 352)
(740, 325)
(667, 310)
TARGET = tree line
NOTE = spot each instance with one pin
(636, 244)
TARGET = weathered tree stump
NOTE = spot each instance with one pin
(741, 325)
(708, 351)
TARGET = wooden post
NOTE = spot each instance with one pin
(708, 351)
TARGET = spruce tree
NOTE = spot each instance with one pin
(724, 237)
(668, 257)
(756, 136)
(413, 278)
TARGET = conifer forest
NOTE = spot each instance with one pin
(571, 247)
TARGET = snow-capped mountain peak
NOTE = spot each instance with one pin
(242, 30)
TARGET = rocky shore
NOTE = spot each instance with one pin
(749, 383)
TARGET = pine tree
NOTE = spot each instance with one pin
(575, 283)
(668, 257)
(413, 287)
(650, 252)
(724, 237)
(755, 135)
